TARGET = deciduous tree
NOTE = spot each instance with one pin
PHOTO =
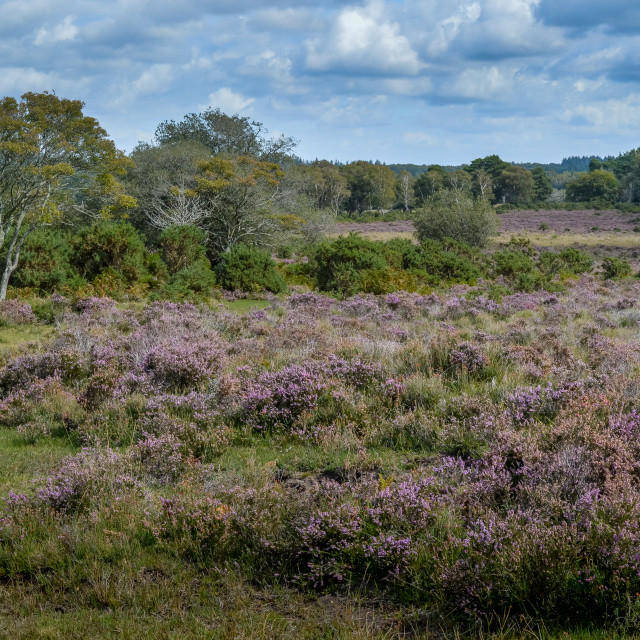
(53, 160)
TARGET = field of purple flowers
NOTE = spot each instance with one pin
(455, 463)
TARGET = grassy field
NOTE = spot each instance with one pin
(455, 465)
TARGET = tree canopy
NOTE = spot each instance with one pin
(53, 160)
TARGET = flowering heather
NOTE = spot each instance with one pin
(14, 312)
(183, 363)
(470, 457)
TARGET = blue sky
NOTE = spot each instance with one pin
(420, 81)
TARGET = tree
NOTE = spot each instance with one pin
(455, 215)
(542, 184)
(595, 185)
(493, 166)
(371, 186)
(404, 190)
(158, 178)
(238, 195)
(220, 133)
(53, 160)
(517, 185)
(429, 183)
(482, 185)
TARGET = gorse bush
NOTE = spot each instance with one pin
(615, 268)
(247, 268)
(455, 215)
(45, 264)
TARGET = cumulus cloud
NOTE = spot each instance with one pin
(610, 115)
(62, 32)
(228, 101)
(362, 38)
(446, 30)
(481, 83)
(156, 79)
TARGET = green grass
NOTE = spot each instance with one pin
(13, 338)
(21, 462)
(245, 306)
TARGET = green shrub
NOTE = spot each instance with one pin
(337, 263)
(615, 268)
(512, 263)
(182, 247)
(575, 261)
(452, 214)
(249, 269)
(447, 266)
(108, 246)
(44, 261)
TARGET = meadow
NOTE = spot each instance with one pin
(454, 464)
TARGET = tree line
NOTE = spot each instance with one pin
(230, 182)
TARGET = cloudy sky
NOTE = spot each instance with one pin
(419, 81)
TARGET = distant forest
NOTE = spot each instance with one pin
(575, 164)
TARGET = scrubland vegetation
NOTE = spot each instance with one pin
(218, 419)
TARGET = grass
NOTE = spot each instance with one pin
(12, 339)
(245, 305)
(21, 462)
(610, 239)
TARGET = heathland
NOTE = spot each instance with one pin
(243, 396)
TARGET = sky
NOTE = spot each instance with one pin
(400, 81)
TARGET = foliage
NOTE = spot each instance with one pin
(452, 214)
(595, 185)
(237, 195)
(114, 255)
(517, 185)
(371, 186)
(52, 158)
(223, 134)
(45, 261)
(247, 268)
(615, 268)
(542, 183)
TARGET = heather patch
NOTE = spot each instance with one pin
(453, 453)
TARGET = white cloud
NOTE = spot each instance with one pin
(19, 79)
(481, 84)
(447, 29)
(610, 116)
(270, 64)
(419, 139)
(62, 32)
(362, 38)
(227, 101)
(156, 79)
(409, 86)
(587, 85)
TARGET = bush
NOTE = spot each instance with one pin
(512, 263)
(249, 269)
(44, 261)
(113, 255)
(337, 264)
(191, 276)
(182, 247)
(614, 268)
(449, 262)
(451, 214)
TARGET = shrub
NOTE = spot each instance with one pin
(14, 312)
(182, 247)
(44, 261)
(112, 255)
(338, 263)
(451, 214)
(247, 268)
(512, 263)
(615, 268)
